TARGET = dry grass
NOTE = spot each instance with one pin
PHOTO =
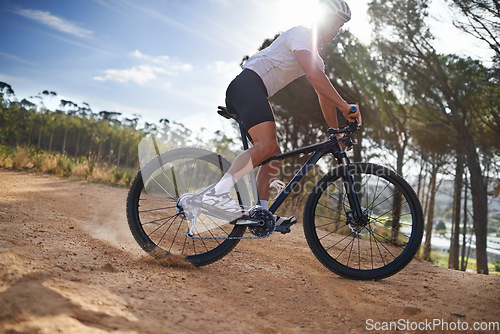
(86, 168)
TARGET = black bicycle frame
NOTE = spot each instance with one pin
(330, 146)
(296, 179)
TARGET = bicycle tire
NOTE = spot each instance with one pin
(381, 248)
(158, 228)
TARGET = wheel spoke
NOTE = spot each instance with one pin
(364, 247)
(152, 207)
(157, 209)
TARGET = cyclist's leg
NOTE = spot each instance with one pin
(247, 96)
(265, 146)
(267, 132)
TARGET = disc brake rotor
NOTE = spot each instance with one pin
(363, 229)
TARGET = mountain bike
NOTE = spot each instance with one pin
(361, 220)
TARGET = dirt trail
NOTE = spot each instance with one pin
(68, 264)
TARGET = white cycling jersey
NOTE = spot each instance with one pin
(277, 65)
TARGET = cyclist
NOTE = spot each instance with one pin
(292, 55)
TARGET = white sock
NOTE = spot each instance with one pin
(264, 204)
(225, 184)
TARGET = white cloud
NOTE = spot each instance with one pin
(138, 54)
(54, 22)
(157, 60)
(143, 73)
(139, 74)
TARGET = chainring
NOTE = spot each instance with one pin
(266, 220)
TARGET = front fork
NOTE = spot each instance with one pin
(350, 188)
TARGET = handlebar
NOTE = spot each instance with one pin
(349, 131)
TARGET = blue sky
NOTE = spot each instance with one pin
(156, 58)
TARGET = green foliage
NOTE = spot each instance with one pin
(74, 130)
(441, 259)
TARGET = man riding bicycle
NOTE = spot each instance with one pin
(293, 54)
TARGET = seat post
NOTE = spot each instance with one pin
(224, 112)
(243, 136)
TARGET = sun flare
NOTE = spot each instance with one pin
(291, 13)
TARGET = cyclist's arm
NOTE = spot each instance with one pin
(329, 98)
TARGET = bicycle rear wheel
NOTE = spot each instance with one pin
(378, 247)
(151, 207)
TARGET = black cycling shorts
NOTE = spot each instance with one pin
(247, 97)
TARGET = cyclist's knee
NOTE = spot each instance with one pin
(274, 149)
(268, 149)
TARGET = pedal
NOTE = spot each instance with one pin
(284, 227)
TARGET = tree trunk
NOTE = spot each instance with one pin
(480, 209)
(64, 140)
(420, 182)
(30, 132)
(99, 149)
(119, 152)
(457, 200)
(40, 136)
(430, 216)
(398, 197)
(463, 265)
(78, 142)
(479, 200)
(51, 138)
(110, 154)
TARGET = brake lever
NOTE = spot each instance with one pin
(353, 126)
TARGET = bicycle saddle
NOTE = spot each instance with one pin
(224, 112)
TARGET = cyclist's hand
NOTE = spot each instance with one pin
(351, 116)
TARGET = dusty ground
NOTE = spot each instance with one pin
(68, 264)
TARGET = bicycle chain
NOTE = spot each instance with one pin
(258, 234)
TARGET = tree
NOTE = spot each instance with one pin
(71, 110)
(6, 92)
(482, 20)
(30, 107)
(435, 148)
(83, 113)
(448, 82)
(104, 129)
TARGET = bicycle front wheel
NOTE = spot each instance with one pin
(375, 247)
(151, 207)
